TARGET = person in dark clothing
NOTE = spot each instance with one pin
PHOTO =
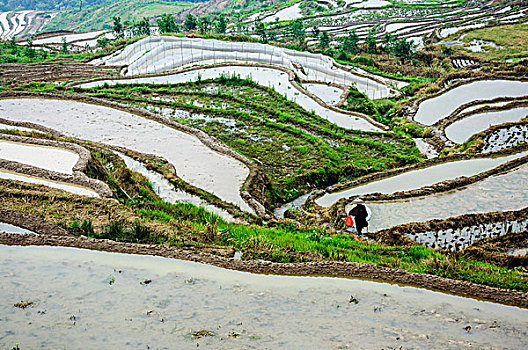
(360, 214)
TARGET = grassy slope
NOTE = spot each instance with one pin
(98, 17)
(512, 39)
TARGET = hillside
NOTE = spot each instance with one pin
(100, 16)
(55, 5)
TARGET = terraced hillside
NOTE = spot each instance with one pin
(247, 148)
(100, 16)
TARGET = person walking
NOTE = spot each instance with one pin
(361, 214)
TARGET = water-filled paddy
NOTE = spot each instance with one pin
(329, 94)
(159, 54)
(49, 158)
(82, 191)
(497, 193)
(82, 297)
(460, 131)
(506, 137)
(415, 179)
(8, 228)
(166, 190)
(194, 162)
(434, 109)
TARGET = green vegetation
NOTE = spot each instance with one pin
(143, 218)
(56, 5)
(101, 16)
(512, 41)
(297, 149)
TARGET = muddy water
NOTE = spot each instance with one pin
(49, 158)
(460, 131)
(434, 109)
(83, 297)
(194, 162)
(329, 94)
(168, 193)
(82, 191)
(8, 228)
(497, 193)
(420, 178)
(295, 204)
(276, 79)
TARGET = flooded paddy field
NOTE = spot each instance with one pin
(194, 162)
(166, 53)
(497, 193)
(71, 188)
(83, 297)
(505, 137)
(166, 191)
(419, 178)
(45, 157)
(460, 131)
(434, 109)
(8, 228)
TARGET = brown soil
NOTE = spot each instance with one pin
(494, 250)
(19, 73)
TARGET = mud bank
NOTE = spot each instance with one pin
(430, 178)
(387, 175)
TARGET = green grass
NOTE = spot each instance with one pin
(297, 149)
(100, 16)
(511, 39)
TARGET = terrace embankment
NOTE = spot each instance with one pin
(219, 161)
(327, 268)
(36, 163)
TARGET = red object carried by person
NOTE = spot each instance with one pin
(349, 221)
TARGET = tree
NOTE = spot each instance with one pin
(371, 42)
(30, 50)
(13, 46)
(350, 42)
(315, 32)
(221, 24)
(260, 30)
(403, 49)
(167, 24)
(118, 27)
(388, 40)
(189, 23)
(64, 47)
(103, 42)
(142, 27)
(297, 31)
(204, 23)
(324, 41)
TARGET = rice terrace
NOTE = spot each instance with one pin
(227, 174)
